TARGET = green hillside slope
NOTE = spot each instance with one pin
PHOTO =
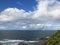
(55, 39)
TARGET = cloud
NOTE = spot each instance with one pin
(47, 8)
(11, 14)
(45, 17)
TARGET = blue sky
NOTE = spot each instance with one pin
(20, 4)
(29, 14)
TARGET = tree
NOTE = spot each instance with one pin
(55, 39)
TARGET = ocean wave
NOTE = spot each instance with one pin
(15, 42)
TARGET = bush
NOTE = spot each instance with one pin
(55, 39)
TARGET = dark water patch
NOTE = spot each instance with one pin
(25, 34)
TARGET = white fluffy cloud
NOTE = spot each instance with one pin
(47, 9)
(11, 14)
(45, 17)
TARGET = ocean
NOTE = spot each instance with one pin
(14, 37)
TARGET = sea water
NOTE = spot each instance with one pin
(11, 42)
(16, 42)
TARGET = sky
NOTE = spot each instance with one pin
(29, 14)
(27, 5)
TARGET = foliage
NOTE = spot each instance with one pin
(55, 39)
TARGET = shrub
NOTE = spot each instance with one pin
(55, 39)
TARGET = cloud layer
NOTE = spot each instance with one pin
(45, 17)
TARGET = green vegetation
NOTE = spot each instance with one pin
(55, 39)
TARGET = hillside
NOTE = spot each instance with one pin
(55, 39)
